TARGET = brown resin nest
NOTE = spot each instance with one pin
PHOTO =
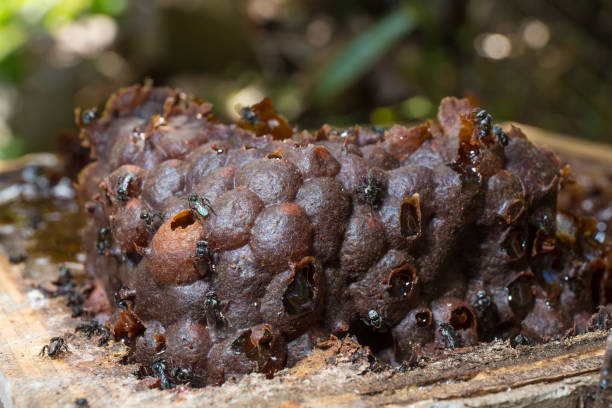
(230, 249)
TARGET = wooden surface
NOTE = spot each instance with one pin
(567, 146)
(558, 374)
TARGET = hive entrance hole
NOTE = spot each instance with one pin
(376, 340)
(601, 289)
(182, 220)
(299, 296)
(133, 259)
(461, 318)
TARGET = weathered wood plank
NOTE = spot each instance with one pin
(567, 146)
(560, 372)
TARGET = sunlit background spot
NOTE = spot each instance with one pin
(495, 46)
(86, 37)
(536, 34)
(382, 116)
(245, 97)
(319, 32)
(417, 107)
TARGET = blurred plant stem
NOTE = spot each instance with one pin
(362, 52)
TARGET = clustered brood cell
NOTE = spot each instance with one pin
(233, 248)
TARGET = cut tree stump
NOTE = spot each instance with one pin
(559, 374)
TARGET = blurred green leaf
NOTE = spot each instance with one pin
(64, 12)
(20, 18)
(12, 35)
(112, 7)
(417, 107)
(12, 147)
(363, 52)
(383, 116)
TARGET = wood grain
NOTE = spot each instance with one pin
(567, 146)
(494, 374)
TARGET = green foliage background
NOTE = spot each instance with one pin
(342, 62)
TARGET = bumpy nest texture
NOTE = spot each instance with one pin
(229, 249)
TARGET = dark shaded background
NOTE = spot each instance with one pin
(546, 63)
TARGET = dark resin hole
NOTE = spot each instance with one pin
(256, 349)
(182, 220)
(472, 180)
(601, 285)
(513, 211)
(376, 340)
(548, 270)
(545, 222)
(133, 259)
(402, 281)
(514, 244)
(424, 318)
(461, 318)
(264, 346)
(520, 295)
(543, 243)
(299, 296)
(243, 344)
(410, 217)
(127, 326)
(160, 342)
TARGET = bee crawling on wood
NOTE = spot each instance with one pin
(81, 402)
(92, 327)
(519, 339)
(185, 376)
(159, 368)
(56, 347)
(450, 336)
(67, 288)
(181, 374)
